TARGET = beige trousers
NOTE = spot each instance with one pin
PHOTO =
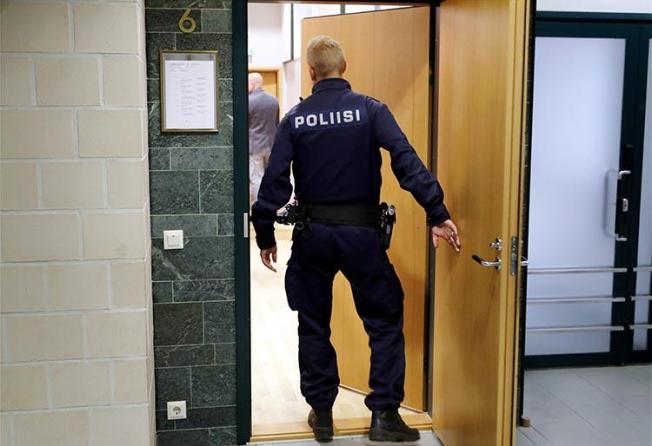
(257, 165)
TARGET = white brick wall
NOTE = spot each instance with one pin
(75, 295)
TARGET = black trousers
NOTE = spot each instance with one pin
(318, 253)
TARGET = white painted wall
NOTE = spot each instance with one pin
(364, 8)
(266, 46)
(292, 86)
(623, 6)
(270, 43)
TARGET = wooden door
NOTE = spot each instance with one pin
(481, 58)
(387, 55)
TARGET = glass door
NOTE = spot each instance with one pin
(588, 276)
(642, 294)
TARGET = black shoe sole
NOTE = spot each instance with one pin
(380, 434)
(322, 434)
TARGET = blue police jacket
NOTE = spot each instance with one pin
(331, 141)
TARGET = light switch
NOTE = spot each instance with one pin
(173, 239)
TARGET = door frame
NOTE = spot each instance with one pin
(241, 204)
(630, 27)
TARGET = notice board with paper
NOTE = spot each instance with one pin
(189, 91)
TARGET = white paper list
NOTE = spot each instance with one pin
(190, 94)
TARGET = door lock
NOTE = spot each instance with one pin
(497, 263)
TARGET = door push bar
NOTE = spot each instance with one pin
(578, 270)
(640, 327)
(575, 328)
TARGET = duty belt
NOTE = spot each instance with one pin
(382, 217)
(343, 214)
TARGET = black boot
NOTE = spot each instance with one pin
(321, 423)
(387, 425)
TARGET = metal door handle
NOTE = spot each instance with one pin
(524, 262)
(488, 263)
(624, 204)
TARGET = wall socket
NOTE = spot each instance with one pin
(177, 410)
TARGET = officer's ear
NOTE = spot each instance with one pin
(313, 73)
(343, 68)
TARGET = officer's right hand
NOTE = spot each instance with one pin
(448, 231)
(267, 256)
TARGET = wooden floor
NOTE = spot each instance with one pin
(278, 408)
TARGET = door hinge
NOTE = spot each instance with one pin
(245, 224)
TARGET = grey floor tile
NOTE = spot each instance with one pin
(642, 372)
(616, 382)
(574, 432)
(589, 406)
(640, 405)
(522, 440)
(533, 436)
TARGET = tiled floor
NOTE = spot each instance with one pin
(607, 406)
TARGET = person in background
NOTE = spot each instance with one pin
(263, 119)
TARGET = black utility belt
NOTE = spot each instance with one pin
(362, 215)
(382, 217)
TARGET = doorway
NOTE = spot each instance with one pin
(400, 34)
(478, 129)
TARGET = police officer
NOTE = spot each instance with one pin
(332, 141)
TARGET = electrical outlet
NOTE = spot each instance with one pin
(177, 410)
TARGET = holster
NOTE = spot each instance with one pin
(387, 221)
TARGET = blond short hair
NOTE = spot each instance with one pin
(325, 55)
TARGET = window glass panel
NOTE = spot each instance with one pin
(578, 84)
(302, 11)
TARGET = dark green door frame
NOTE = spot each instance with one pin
(241, 208)
(241, 225)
